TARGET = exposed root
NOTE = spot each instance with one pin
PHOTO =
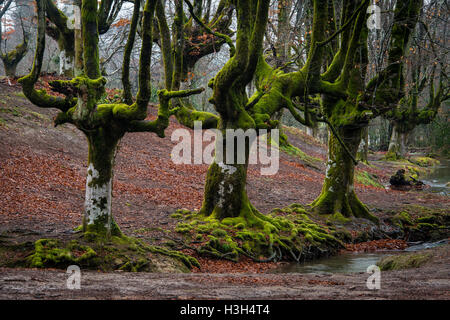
(285, 234)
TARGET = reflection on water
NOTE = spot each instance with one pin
(343, 263)
(348, 262)
(438, 178)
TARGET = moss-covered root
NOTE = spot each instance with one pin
(341, 204)
(287, 234)
(93, 251)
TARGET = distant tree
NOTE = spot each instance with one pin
(12, 58)
(427, 66)
(59, 27)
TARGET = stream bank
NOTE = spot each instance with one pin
(430, 281)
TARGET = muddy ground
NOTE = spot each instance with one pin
(42, 178)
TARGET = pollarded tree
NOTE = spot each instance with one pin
(350, 114)
(191, 39)
(347, 104)
(225, 197)
(225, 189)
(335, 93)
(103, 124)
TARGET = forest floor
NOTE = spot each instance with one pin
(430, 281)
(42, 181)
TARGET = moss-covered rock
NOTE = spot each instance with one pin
(420, 223)
(424, 161)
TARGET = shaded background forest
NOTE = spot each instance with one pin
(286, 41)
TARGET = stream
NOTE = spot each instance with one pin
(349, 262)
(439, 178)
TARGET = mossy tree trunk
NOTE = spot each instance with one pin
(338, 195)
(225, 189)
(98, 216)
(407, 115)
(397, 144)
(59, 29)
(10, 70)
(12, 58)
(363, 152)
(180, 56)
(127, 94)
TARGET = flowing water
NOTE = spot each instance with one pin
(348, 262)
(439, 178)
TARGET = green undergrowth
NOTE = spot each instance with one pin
(90, 251)
(367, 179)
(422, 224)
(295, 236)
(404, 261)
(424, 161)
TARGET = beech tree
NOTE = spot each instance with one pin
(102, 124)
(338, 94)
(12, 58)
(347, 100)
(427, 67)
(408, 114)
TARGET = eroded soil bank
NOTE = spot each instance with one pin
(431, 281)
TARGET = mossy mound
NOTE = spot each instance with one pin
(423, 224)
(52, 253)
(424, 161)
(367, 179)
(404, 261)
(293, 236)
(90, 251)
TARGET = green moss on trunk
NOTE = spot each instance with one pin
(338, 196)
